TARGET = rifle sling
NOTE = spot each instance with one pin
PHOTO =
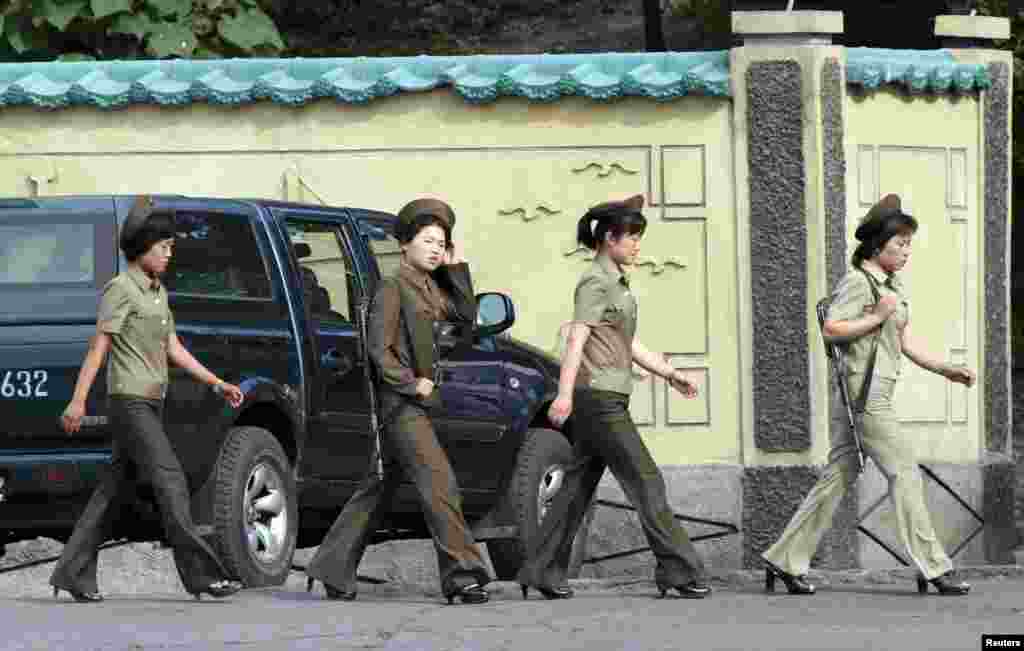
(869, 373)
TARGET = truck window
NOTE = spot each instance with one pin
(47, 254)
(384, 246)
(216, 255)
(327, 274)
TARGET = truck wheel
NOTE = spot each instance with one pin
(255, 508)
(537, 479)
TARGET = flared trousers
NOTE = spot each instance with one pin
(606, 437)
(894, 453)
(141, 450)
(411, 450)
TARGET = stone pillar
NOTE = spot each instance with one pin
(971, 38)
(789, 93)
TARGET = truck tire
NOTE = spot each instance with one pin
(536, 480)
(255, 508)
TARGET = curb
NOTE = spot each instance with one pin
(742, 578)
(731, 579)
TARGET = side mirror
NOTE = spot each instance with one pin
(495, 314)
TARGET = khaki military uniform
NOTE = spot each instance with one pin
(605, 436)
(135, 313)
(881, 436)
(402, 353)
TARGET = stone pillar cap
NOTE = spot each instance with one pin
(759, 23)
(993, 28)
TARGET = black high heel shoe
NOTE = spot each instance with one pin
(794, 584)
(944, 585)
(334, 594)
(473, 593)
(80, 597)
(696, 589)
(219, 589)
(561, 592)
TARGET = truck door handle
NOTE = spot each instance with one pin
(339, 363)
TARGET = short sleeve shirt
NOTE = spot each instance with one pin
(852, 295)
(604, 302)
(134, 312)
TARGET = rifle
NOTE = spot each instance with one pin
(838, 364)
(362, 317)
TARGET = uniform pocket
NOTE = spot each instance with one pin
(614, 314)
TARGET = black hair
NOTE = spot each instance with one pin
(160, 225)
(874, 236)
(406, 230)
(616, 218)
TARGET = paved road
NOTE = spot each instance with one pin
(626, 618)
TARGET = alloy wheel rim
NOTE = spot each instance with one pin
(550, 485)
(265, 514)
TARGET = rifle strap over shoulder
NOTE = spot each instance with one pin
(869, 372)
(421, 340)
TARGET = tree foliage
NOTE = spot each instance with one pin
(106, 29)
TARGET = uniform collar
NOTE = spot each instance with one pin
(413, 275)
(882, 278)
(609, 267)
(144, 282)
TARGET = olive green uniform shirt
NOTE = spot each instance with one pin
(134, 312)
(603, 302)
(852, 295)
(390, 345)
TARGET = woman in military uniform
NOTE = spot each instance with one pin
(432, 284)
(869, 303)
(135, 328)
(594, 388)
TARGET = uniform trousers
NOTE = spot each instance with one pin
(894, 454)
(412, 450)
(605, 436)
(141, 449)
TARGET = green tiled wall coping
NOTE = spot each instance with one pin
(660, 76)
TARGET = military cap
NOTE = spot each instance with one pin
(632, 204)
(427, 206)
(874, 222)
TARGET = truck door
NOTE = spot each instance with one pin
(340, 443)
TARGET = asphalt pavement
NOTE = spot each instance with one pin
(868, 611)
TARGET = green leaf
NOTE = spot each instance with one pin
(171, 39)
(22, 35)
(250, 29)
(104, 8)
(137, 25)
(60, 13)
(180, 8)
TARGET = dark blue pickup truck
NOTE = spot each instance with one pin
(267, 295)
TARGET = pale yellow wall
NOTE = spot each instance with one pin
(519, 175)
(927, 151)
